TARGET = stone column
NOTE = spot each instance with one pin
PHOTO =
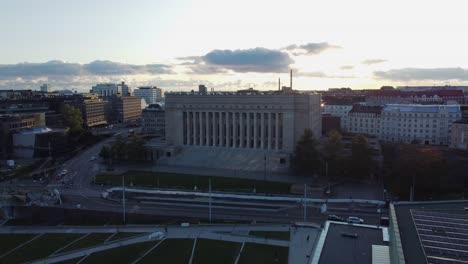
(262, 120)
(214, 124)
(248, 130)
(200, 116)
(255, 136)
(228, 126)
(269, 130)
(234, 130)
(276, 131)
(241, 129)
(207, 129)
(220, 126)
(194, 128)
(187, 136)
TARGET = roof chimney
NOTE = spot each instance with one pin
(279, 84)
(290, 79)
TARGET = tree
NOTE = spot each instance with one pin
(105, 153)
(360, 162)
(306, 158)
(423, 167)
(73, 119)
(333, 149)
(136, 148)
(119, 149)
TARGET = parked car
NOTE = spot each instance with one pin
(355, 220)
(335, 218)
(64, 172)
(92, 158)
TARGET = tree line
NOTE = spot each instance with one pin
(331, 158)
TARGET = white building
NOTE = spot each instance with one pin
(423, 124)
(151, 94)
(110, 89)
(363, 119)
(45, 88)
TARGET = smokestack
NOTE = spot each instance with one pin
(290, 79)
(279, 84)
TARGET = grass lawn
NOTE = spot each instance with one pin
(282, 235)
(87, 241)
(188, 181)
(39, 248)
(10, 241)
(215, 251)
(173, 251)
(126, 254)
(258, 254)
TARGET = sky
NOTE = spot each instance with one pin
(229, 45)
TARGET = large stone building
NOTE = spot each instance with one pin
(151, 94)
(247, 119)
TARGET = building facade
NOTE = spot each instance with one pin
(126, 109)
(153, 121)
(250, 119)
(460, 135)
(151, 94)
(423, 124)
(364, 119)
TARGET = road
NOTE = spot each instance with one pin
(79, 190)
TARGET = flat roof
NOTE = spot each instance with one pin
(414, 219)
(343, 249)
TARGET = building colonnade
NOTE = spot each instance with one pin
(251, 130)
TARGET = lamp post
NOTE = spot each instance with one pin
(123, 198)
(209, 199)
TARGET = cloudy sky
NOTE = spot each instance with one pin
(178, 44)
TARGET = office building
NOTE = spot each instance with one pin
(45, 88)
(153, 120)
(126, 109)
(151, 94)
(111, 89)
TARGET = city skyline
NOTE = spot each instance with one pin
(229, 46)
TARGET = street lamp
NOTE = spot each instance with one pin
(123, 198)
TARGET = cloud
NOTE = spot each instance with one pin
(39, 69)
(310, 48)
(420, 74)
(319, 74)
(373, 61)
(60, 68)
(249, 60)
(347, 67)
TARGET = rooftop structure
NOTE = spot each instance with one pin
(429, 232)
(350, 243)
